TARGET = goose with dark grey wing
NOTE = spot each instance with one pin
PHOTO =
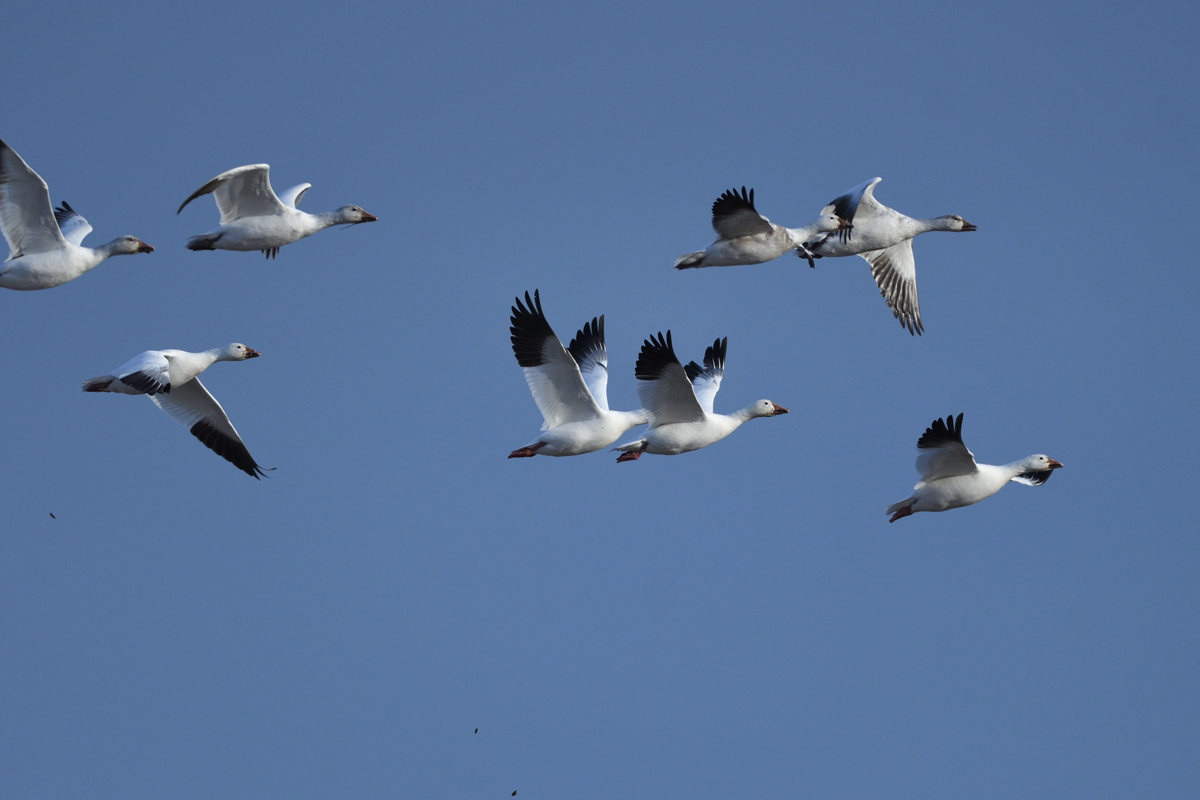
(171, 379)
(680, 401)
(569, 384)
(254, 218)
(746, 237)
(46, 243)
(882, 236)
(950, 478)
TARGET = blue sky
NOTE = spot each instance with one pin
(740, 621)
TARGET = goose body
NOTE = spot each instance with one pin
(253, 217)
(171, 379)
(950, 478)
(46, 244)
(883, 237)
(746, 237)
(569, 385)
(680, 401)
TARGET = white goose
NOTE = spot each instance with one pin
(680, 401)
(45, 244)
(569, 385)
(171, 379)
(746, 237)
(883, 236)
(950, 478)
(254, 218)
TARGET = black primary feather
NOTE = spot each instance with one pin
(231, 450)
(529, 330)
(731, 204)
(144, 383)
(656, 356)
(941, 433)
(64, 213)
(1037, 477)
(588, 340)
(714, 360)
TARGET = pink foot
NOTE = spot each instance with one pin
(631, 456)
(527, 452)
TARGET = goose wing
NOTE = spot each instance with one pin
(292, 196)
(26, 217)
(706, 380)
(941, 452)
(149, 373)
(192, 406)
(734, 215)
(241, 192)
(72, 224)
(663, 384)
(552, 373)
(587, 348)
(895, 272)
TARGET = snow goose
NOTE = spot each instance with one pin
(883, 236)
(569, 385)
(680, 401)
(746, 237)
(45, 243)
(950, 478)
(254, 218)
(171, 379)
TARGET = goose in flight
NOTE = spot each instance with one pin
(950, 478)
(254, 218)
(171, 379)
(883, 236)
(569, 385)
(680, 401)
(46, 244)
(746, 237)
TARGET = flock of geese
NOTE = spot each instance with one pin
(569, 384)
(46, 250)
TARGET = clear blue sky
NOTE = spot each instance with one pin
(737, 622)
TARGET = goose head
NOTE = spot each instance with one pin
(765, 408)
(238, 352)
(127, 245)
(353, 215)
(829, 223)
(953, 222)
(1040, 463)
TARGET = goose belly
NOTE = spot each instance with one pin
(576, 438)
(41, 271)
(681, 437)
(863, 238)
(747, 249)
(955, 492)
(261, 233)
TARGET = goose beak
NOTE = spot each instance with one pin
(252, 353)
(144, 248)
(1055, 464)
(843, 224)
(968, 226)
(369, 217)
(778, 410)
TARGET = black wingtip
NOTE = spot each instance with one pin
(655, 356)
(529, 330)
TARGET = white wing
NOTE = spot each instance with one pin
(941, 452)
(663, 384)
(551, 372)
(72, 225)
(895, 273)
(192, 406)
(241, 192)
(148, 372)
(859, 201)
(734, 215)
(292, 196)
(706, 380)
(587, 348)
(25, 213)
